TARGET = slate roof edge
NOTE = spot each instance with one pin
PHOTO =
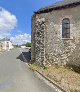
(70, 5)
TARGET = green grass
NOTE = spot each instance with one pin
(73, 90)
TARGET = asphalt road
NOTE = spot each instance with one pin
(15, 76)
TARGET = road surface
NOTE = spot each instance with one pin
(15, 76)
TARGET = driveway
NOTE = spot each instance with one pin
(15, 76)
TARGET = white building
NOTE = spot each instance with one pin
(6, 44)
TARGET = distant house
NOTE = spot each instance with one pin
(56, 34)
(6, 44)
(0, 46)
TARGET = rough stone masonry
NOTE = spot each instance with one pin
(48, 46)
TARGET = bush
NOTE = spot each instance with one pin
(28, 44)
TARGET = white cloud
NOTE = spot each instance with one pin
(21, 39)
(8, 22)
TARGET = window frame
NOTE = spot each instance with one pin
(66, 28)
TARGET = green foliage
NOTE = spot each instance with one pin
(71, 90)
(34, 66)
(45, 68)
(28, 44)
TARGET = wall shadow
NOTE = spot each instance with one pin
(74, 67)
(25, 57)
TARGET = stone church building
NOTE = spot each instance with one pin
(56, 34)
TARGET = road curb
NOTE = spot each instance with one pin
(41, 76)
(50, 83)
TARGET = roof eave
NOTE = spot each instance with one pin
(58, 8)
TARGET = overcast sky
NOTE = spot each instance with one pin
(15, 18)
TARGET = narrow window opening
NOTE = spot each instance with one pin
(66, 28)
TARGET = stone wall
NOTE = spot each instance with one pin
(50, 47)
(38, 40)
(33, 39)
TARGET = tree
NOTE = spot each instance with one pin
(28, 44)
